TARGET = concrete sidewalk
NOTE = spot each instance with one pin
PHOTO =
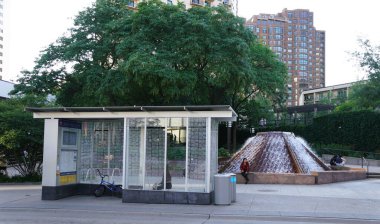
(348, 202)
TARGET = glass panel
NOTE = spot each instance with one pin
(197, 154)
(135, 149)
(155, 153)
(69, 138)
(176, 154)
(101, 148)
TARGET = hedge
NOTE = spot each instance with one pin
(359, 129)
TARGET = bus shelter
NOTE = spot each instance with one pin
(159, 154)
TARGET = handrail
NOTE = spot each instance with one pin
(367, 162)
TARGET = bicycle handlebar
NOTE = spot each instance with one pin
(100, 174)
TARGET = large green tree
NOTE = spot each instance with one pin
(21, 135)
(160, 55)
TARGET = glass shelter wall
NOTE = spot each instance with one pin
(172, 156)
(135, 153)
(155, 153)
(101, 148)
(176, 154)
(196, 168)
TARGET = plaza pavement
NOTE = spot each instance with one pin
(346, 202)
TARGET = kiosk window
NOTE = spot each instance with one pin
(69, 138)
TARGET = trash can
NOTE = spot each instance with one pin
(222, 189)
(233, 187)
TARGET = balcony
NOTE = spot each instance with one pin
(197, 2)
(132, 5)
(227, 2)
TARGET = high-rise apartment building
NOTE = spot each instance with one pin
(231, 4)
(292, 36)
(1, 36)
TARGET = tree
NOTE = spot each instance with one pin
(160, 55)
(21, 136)
(366, 94)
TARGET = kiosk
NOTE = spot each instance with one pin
(159, 154)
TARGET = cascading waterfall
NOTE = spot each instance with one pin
(275, 152)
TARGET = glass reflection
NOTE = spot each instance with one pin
(176, 154)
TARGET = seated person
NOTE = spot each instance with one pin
(340, 161)
(333, 160)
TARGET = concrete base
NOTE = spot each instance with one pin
(64, 191)
(323, 177)
(166, 197)
(277, 178)
(327, 177)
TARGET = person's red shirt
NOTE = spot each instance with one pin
(244, 167)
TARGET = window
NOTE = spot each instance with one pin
(132, 3)
(278, 30)
(303, 68)
(302, 62)
(304, 56)
(69, 138)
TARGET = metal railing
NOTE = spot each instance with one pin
(367, 163)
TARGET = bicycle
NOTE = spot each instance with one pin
(103, 185)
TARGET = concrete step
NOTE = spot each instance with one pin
(373, 175)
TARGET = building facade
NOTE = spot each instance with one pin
(293, 38)
(5, 88)
(231, 4)
(1, 36)
(336, 94)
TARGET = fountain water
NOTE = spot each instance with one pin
(276, 152)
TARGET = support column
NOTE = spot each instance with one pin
(229, 133)
(50, 159)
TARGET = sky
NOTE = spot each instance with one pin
(30, 26)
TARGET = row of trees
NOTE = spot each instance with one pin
(159, 55)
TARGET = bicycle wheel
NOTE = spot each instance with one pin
(99, 191)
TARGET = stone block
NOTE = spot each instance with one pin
(304, 179)
(59, 192)
(175, 197)
(284, 178)
(155, 197)
(132, 196)
(199, 198)
(324, 177)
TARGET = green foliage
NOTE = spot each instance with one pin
(366, 94)
(222, 152)
(176, 153)
(160, 55)
(20, 179)
(343, 150)
(360, 129)
(21, 135)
